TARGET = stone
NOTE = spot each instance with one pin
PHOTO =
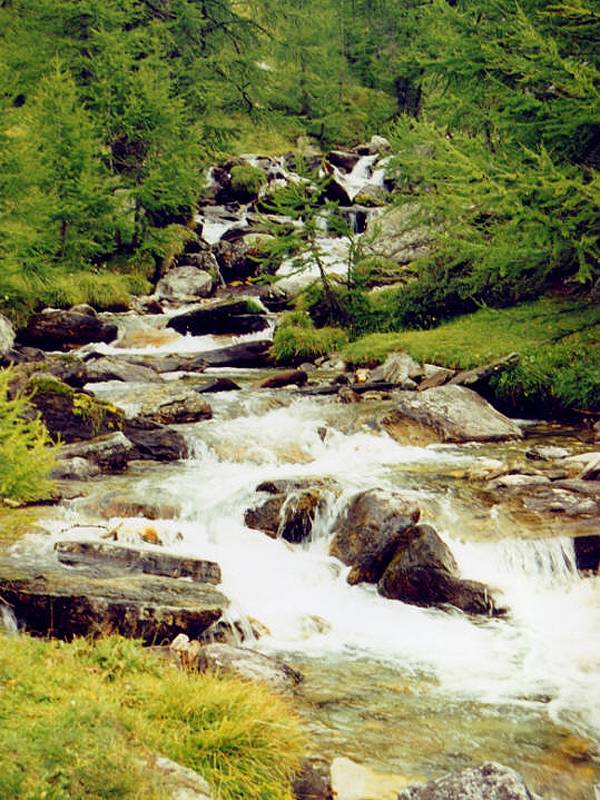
(256, 353)
(352, 781)
(295, 377)
(121, 504)
(153, 441)
(423, 572)
(203, 260)
(290, 515)
(398, 368)
(7, 336)
(183, 782)
(312, 782)
(177, 407)
(517, 481)
(336, 192)
(54, 329)
(587, 553)
(218, 385)
(65, 604)
(435, 376)
(455, 414)
(480, 375)
(131, 559)
(251, 665)
(489, 781)
(591, 472)
(548, 453)
(347, 395)
(368, 530)
(346, 161)
(241, 258)
(69, 415)
(398, 234)
(84, 308)
(75, 469)
(110, 453)
(109, 368)
(221, 316)
(185, 284)
(560, 498)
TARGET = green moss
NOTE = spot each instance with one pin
(558, 341)
(99, 413)
(296, 339)
(84, 720)
(49, 384)
(247, 179)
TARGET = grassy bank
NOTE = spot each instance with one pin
(84, 720)
(558, 341)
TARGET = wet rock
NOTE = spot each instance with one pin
(64, 330)
(76, 469)
(130, 560)
(397, 234)
(246, 354)
(184, 284)
(177, 407)
(121, 504)
(482, 374)
(352, 781)
(65, 604)
(7, 336)
(548, 453)
(218, 385)
(249, 664)
(84, 308)
(587, 553)
(146, 336)
(336, 192)
(202, 260)
(146, 304)
(346, 161)
(347, 395)
(69, 415)
(116, 369)
(591, 472)
(241, 258)
(517, 481)
(490, 781)
(221, 316)
(367, 532)
(183, 783)
(435, 376)
(455, 414)
(290, 515)
(560, 498)
(110, 453)
(423, 572)
(398, 368)
(21, 355)
(287, 485)
(153, 441)
(313, 782)
(265, 517)
(295, 377)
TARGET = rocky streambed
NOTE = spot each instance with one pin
(419, 570)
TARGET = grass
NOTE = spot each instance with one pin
(83, 720)
(296, 339)
(247, 179)
(558, 341)
(104, 290)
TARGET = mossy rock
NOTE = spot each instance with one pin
(247, 181)
(69, 415)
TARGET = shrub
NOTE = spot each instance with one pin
(26, 454)
(83, 720)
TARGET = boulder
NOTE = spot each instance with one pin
(69, 415)
(367, 532)
(7, 336)
(218, 385)
(130, 559)
(435, 376)
(236, 316)
(294, 377)
(202, 260)
(65, 604)
(153, 441)
(182, 783)
(489, 781)
(176, 407)
(63, 330)
(240, 258)
(399, 368)
(110, 453)
(251, 665)
(587, 553)
(122, 504)
(109, 368)
(455, 414)
(423, 572)
(289, 515)
(480, 375)
(517, 481)
(84, 308)
(346, 161)
(184, 284)
(398, 234)
(75, 469)
(256, 353)
(548, 453)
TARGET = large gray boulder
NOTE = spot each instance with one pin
(7, 335)
(398, 234)
(454, 414)
(184, 284)
(490, 781)
(367, 532)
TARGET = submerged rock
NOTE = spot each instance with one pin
(251, 665)
(53, 329)
(66, 604)
(294, 377)
(175, 407)
(454, 414)
(490, 781)
(131, 559)
(121, 504)
(367, 532)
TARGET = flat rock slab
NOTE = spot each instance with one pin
(64, 604)
(490, 781)
(132, 559)
(251, 665)
(455, 414)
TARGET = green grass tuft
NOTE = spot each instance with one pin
(296, 339)
(83, 720)
(558, 341)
